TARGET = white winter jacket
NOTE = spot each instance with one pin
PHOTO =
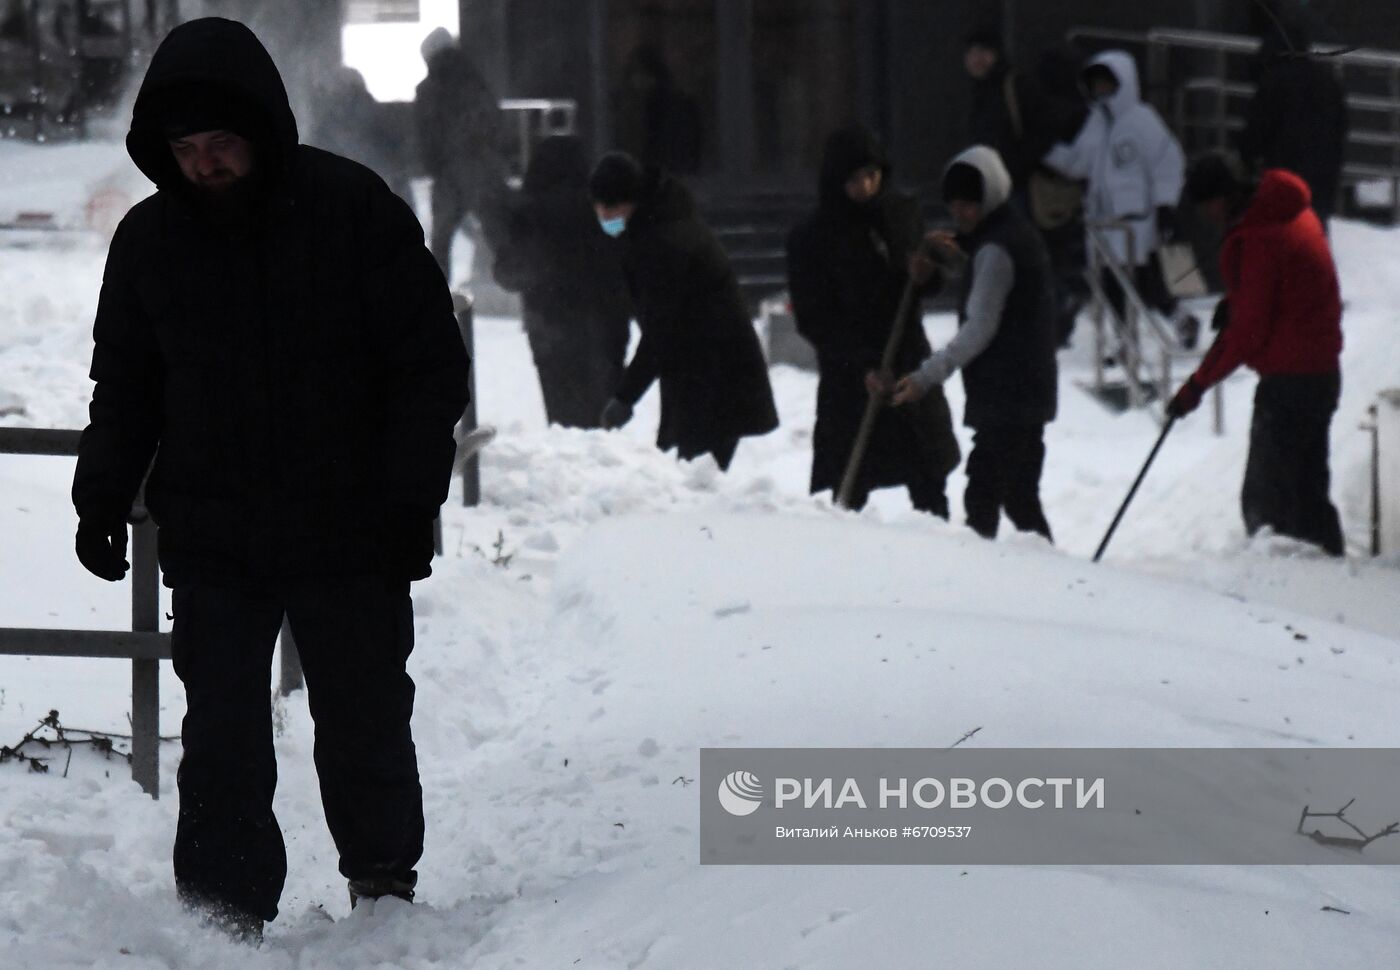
(1131, 160)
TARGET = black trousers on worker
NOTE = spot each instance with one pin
(354, 635)
(1003, 475)
(926, 494)
(1286, 480)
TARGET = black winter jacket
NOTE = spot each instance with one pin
(697, 337)
(297, 376)
(847, 269)
(1014, 381)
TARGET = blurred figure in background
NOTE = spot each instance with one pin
(1014, 111)
(1135, 169)
(349, 122)
(1022, 115)
(459, 134)
(569, 274)
(659, 123)
(697, 337)
(1297, 119)
(848, 264)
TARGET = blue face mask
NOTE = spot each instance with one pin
(615, 226)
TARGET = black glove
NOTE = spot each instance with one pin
(1166, 223)
(615, 414)
(1187, 399)
(406, 543)
(1220, 319)
(102, 550)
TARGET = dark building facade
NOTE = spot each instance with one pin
(771, 77)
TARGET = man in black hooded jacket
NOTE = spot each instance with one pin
(273, 331)
(848, 265)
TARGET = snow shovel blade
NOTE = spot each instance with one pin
(470, 443)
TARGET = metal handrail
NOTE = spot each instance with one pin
(538, 118)
(144, 645)
(1101, 256)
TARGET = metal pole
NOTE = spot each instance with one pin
(1133, 491)
(145, 674)
(291, 678)
(1375, 429)
(37, 94)
(471, 468)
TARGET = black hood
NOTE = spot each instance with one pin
(846, 151)
(223, 59)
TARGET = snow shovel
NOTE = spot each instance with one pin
(471, 442)
(872, 407)
(1133, 491)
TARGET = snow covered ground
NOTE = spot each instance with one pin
(649, 608)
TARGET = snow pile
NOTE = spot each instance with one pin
(608, 611)
(559, 725)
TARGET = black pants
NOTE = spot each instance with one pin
(1286, 479)
(1003, 474)
(354, 636)
(722, 451)
(453, 199)
(926, 494)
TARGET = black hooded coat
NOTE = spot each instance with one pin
(847, 269)
(296, 371)
(569, 275)
(697, 337)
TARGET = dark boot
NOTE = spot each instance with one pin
(375, 887)
(238, 925)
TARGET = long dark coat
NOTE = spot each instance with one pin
(847, 269)
(1297, 120)
(569, 275)
(697, 337)
(297, 372)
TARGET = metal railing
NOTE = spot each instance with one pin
(1135, 322)
(1130, 325)
(144, 645)
(536, 119)
(1385, 474)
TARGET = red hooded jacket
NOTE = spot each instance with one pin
(1285, 303)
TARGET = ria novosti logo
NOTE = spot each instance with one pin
(740, 793)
